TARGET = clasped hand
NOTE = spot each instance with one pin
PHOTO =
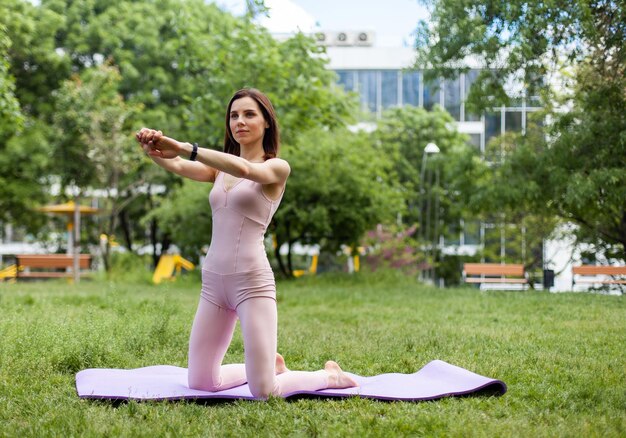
(155, 144)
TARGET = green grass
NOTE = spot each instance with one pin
(561, 355)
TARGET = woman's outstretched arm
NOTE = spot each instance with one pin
(194, 170)
(158, 146)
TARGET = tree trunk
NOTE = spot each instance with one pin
(124, 224)
(153, 240)
(106, 256)
(279, 260)
(153, 233)
(289, 258)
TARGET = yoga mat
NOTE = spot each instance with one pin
(164, 382)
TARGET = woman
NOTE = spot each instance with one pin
(237, 281)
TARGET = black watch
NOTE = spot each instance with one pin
(194, 152)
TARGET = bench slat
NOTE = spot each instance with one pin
(603, 281)
(44, 274)
(56, 261)
(496, 280)
(599, 270)
(493, 269)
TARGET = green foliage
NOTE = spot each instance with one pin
(37, 65)
(129, 267)
(513, 194)
(24, 159)
(93, 146)
(341, 185)
(561, 356)
(585, 167)
(185, 215)
(403, 133)
(10, 113)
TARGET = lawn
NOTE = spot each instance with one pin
(561, 355)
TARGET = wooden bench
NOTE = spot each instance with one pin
(50, 265)
(494, 273)
(592, 274)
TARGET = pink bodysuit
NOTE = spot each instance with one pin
(235, 270)
(236, 266)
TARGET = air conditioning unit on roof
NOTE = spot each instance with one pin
(325, 38)
(342, 39)
(363, 38)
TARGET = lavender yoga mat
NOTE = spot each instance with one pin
(164, 382)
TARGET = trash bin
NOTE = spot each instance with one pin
(548, 278)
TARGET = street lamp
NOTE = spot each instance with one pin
(430, 149)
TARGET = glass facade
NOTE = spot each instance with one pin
(382, 89)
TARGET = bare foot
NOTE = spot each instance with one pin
(337, 378)
(280, 364)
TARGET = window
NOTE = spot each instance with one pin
(431, 94)
(452, 97)
(492, 125)
(513, 121)
(346, 78)
(453, 234)
(389, 86)
(471, 232)
(367, 90)
(470, 78)
(411, 88)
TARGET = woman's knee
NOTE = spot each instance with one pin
(202, 384)
(262, 388)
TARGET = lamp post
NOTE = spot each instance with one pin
(430, 149)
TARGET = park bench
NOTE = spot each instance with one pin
(50, 265)
(592, 274)
(495, 273)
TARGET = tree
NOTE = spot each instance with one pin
(23, 152)
(576, 170)
(94, 147)
(10, 113)
(37, 63)
(341, 185)
(404, 133)
(585, 165)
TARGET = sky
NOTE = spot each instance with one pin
(393, 21)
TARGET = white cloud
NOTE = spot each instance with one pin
(284, 15)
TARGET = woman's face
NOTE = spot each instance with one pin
(247, 123)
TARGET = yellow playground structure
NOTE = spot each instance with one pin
(170, 265)
(9, 273)
(312, 268)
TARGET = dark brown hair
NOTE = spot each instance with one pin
(271, 139)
